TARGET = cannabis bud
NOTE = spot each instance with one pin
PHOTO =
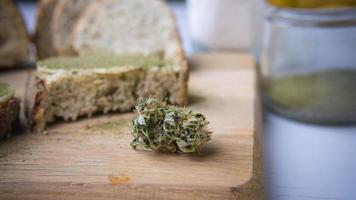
(168, 128)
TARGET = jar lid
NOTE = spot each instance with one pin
(312, 4)
(331, 17)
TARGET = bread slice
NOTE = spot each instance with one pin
(9, 110)
(65, 17)
(14, 39)
(128, 27)
(71, 87)
(43, 34)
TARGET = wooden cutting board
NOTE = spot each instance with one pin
(92, 158)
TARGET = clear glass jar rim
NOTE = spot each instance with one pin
(313, 17)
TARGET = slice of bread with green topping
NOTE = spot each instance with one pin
(9, 110)
(14, 40)
(72, 87)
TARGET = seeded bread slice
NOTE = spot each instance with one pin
(9, 110)
(14, 39)
(44, 33)
(70, 87)
(65, 17)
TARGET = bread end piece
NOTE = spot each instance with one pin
(35, 99)
(14, 39)
(9, 111)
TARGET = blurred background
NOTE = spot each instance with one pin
(305, 51)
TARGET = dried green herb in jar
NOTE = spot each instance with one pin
(167, 128)
(327, 95)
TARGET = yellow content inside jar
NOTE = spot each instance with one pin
(313, 3)
(328, 93)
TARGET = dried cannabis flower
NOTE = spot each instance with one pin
(168, 128)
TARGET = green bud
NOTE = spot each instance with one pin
(167, 128)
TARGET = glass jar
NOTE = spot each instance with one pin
(308, 64)
(223, 25)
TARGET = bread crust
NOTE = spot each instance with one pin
(43, 32)
(65, 17)
(184, 71)
(180, 56)
(14, 39)
(35, 99)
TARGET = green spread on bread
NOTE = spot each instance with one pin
(5, 90)
(101, 61)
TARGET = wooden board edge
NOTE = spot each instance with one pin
(254, 188)
(212, 60)
(39, 191)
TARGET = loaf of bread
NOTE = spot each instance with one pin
(9, 110)
(72, 87)
(127, 49)
(14, 39)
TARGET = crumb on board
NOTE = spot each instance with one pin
(118, 180)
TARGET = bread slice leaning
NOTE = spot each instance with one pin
(9, 110)
(65, 17)
(115, 66)
(144, 27)
(43, 32)
(14, 39)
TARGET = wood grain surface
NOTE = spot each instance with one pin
(92, 158)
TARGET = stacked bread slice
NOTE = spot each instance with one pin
(14, 39)
(108, 55)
